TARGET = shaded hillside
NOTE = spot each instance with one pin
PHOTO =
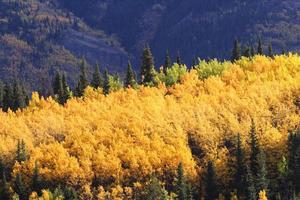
(37, 39)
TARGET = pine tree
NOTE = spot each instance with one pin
(19, 187)
(247, 52)
(240, 174)
(147, 68)
(270, 51)
(255, 150)
(178, 59)
(154, 190)
(262, 180)
(21, 151)
(260, 50)
(211, 186)
(296, 173)
(70, 194)
(83, 80)
(106, 86)
(250, 187)
(56, 83)
(168, 62)
(236, 51)
(36, 180)
(130, 80)
(181, 186)
(294, 160)
(252, 51)
(25, 94)
(8, 97)
(97, 81)
(65, 89)
(19, 100)
(4, 192)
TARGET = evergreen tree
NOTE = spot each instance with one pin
(260, 50)
(211, 186)
(252, 51)
(247, 52)
(36, 180)
(25, 96)
(178, 59)
(21, 151)
(19, 187)
(66, 92)
(296, 173)
(8, 97)
(194, 62)
(70, 194)
(240, 174)
(270, 51)
(154, 190)
(181, 186)
(4, 189)
(19, 100)
(130, 80)
(236, 51)
(147, 69)
(106, 85)
(294, 160)
(168, 62)
(83, 80)
(262, 180)
(250, 187)
(255, 150)
(97, 81)
(56, 83)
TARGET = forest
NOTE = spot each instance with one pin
(213, 130)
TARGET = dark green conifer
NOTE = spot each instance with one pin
(270, 51)
(181, 185)
(262, 176)
(106, 85)
(147, 69)
(154, 190)
(19, 100)
(168, 62)
(19, 187)
(36, 180)
(130, 80)
(97, 81)
(210, 182)
(260, 50)
(178, 59)
(254, 150)
(240, 174)
(252, 51)
(250, 186)
(56, 83)
(8, 97)
(4, 189)
(21, 151)
(236, 51)
(66, 92)
(247, 52)
(70, 194)
(83, 80)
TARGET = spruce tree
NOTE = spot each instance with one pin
(294, 160)
(36, 180)
(262, 179)
(211, 186)
(106, 85)
(130, 80)
(19, 100)
(178, 59)
(4, 189)
(260, 50)
(168, 62)
(181, 185)
(252, 51)
(147, 69)
(65, 89)
(296, 173)
(255, 150)
(83, 80)
(8, 97)
(154, 190)
(247, 52)
(236, 51)
(19, 187)
(97, 81)
(240, 174)
(21, 151)
(56, 83)
(250, 187)
(270, 51)
(70, 194)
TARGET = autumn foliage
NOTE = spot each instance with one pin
(108, 145)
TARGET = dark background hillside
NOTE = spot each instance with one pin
(39, 36)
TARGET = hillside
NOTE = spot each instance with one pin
(111, 146)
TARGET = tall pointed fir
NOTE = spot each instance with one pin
(210, 182)
(21, 151)
(181, 185)
(247, 52)
(262, 176)
(83, 80)
(130, 80)
(36, 180)
(250, 187)
(97, 81)
(4, 189)
(270, 51)
(252, 51)
(19, 100)
(236, 51)
(294, 160)
(260, 50)
(56, 85)
(106, 85)
(154, 190)
(19, 187)
(147, 68)
(254, 150)
(240, 174)
(8, 97)
(168, 62)
(178, 59)
(66, 89)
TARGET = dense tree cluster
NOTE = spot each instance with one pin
(221, 130)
